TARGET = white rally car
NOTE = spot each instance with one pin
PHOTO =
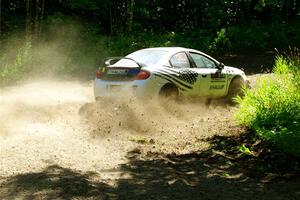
(168, 71)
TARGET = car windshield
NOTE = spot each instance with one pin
(146, 57)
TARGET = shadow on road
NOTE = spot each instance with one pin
(54, 182)
(222, 172)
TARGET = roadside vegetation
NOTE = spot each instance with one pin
(272, 108)
(71, 38)
(78, 51)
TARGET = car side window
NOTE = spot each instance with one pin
(202, 62)
(180, 60)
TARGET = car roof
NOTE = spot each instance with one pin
(168, 49)
(173, 50)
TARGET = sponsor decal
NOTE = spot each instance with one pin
(117, 71)
(217, 77)
(216, 87)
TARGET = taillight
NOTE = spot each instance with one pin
(98, 74)
(142, 75)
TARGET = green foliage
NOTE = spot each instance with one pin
(245, 150)
(248, 36)
(12, 69)
(79, 49)
(124, 44)
(257, 36)
(82, 4)
(272, 109)
(221, 43)
(158, 15)
(260, 5)
(282, 65)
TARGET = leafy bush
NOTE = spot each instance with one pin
(124, 44)
(261, 36)
(77, 49)
(272, 109)
(221, 43)
(12, 69)
(248, 36)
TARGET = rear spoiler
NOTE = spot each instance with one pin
(109, 61)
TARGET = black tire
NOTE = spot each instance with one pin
(235, 89)
(169, 92)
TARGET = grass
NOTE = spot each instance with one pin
(272, 109)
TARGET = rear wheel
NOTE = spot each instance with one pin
(235, 89)
(169, 92)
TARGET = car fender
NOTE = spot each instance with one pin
(233, 78)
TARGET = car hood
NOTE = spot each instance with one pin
(234, 70)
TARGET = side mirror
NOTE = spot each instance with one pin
(221, 66)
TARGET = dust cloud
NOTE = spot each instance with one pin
(171, 125)
(46, 122)
(40, 126)
(63, 50)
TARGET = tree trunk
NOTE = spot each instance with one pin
(42, 17)
(37, 19)
(129, 13)
(111, 19)
(114, 17)
(286, 9)
(28, 19)
(0, 18)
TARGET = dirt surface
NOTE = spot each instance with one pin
(57, 143)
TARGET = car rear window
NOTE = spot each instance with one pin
(146, 56)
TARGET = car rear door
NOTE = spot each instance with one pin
(212, 81)
(183, 74)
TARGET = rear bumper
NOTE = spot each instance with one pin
(123, 89)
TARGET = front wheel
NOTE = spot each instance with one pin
(235, 89)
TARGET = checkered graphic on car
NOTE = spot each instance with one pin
(184, 79)
(188, 76)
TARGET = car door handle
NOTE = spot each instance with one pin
(204, 75)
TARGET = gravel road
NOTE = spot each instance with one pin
(57, 143)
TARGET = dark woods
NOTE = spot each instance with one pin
(80, 34)
(125, 16)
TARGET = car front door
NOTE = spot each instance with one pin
(212, 81)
